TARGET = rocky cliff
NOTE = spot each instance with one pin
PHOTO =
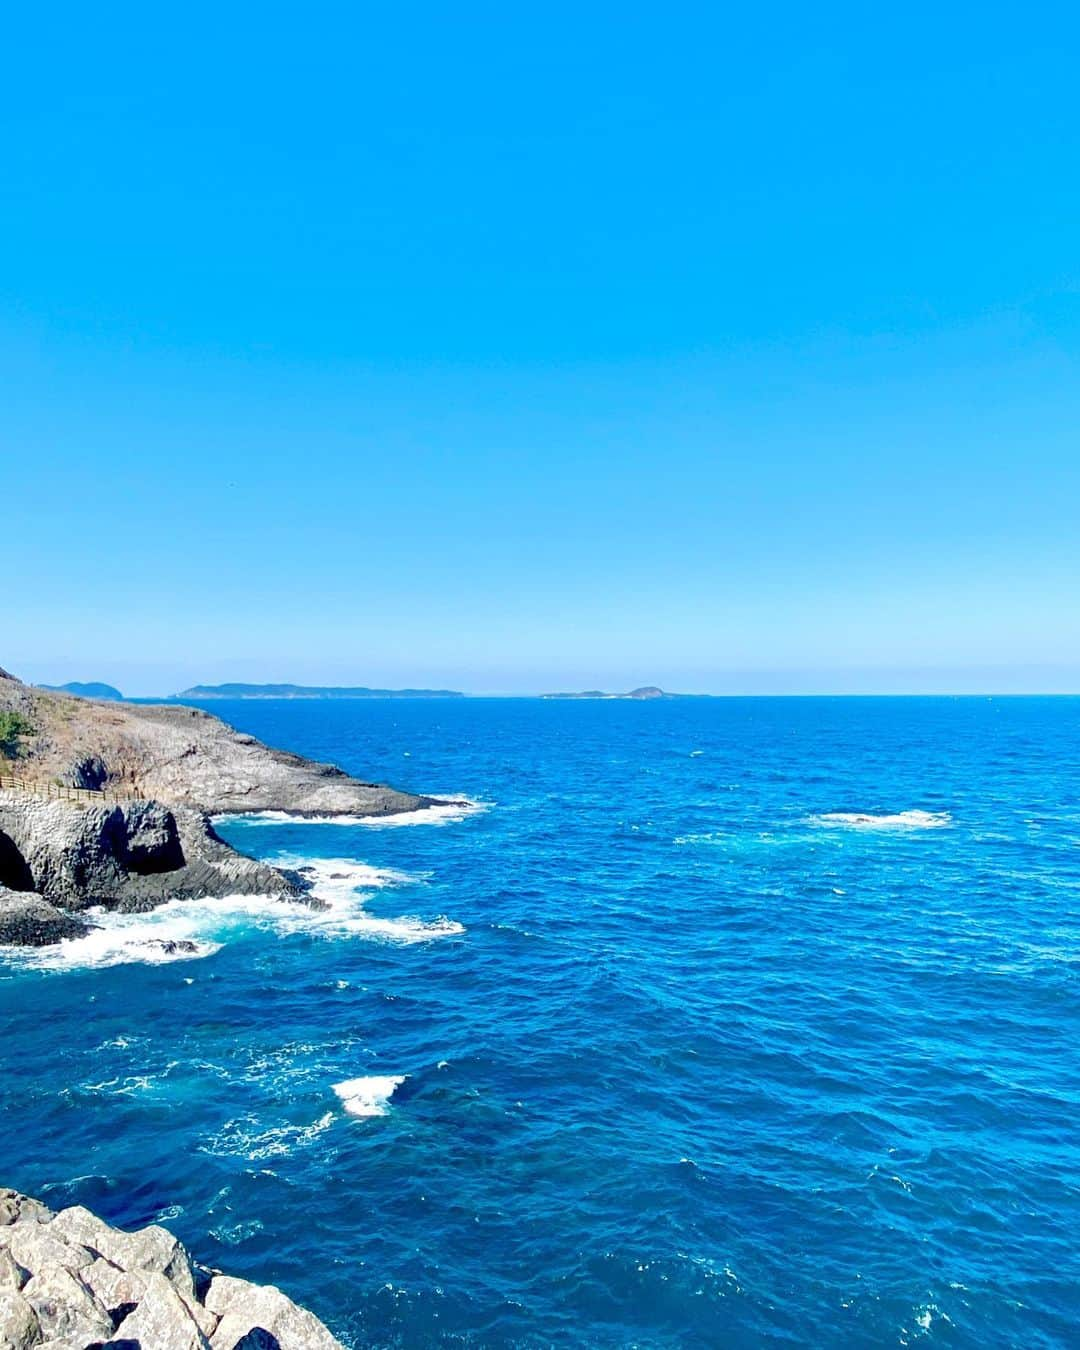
(59, 858)
(180, 756)
(173, 766)
(71, 1282)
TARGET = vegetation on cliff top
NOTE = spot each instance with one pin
(13, 727)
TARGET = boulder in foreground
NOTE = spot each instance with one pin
(72, 1280)
(28, 920)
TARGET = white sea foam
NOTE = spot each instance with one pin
(901, 820)
(235, 1233)
(245, 1137)
(448, 810)
(368, 1096)
(122, 1042)
(928, 1314)
(333, 876)
(167, 934)
(186, 930)
(345, 886)
(128, 1086)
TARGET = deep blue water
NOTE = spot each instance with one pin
(700, 1069)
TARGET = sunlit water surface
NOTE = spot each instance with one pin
(725, 1022)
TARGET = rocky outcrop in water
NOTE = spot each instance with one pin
(648, 691)
(58, 858)
(61, 857)
(28, 920)
(128, 856)
(69, 1281)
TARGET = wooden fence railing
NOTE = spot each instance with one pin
(61, 792)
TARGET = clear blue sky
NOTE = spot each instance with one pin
(511, 346)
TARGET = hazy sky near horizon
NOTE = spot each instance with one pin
(518, 347)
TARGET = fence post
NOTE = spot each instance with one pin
(64, 791)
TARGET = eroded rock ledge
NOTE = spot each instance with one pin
(163, 772)
(58, 859)
(180, 756)
(69, 1281)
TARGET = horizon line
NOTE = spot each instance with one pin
(392, 696)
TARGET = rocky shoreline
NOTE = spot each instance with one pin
(69, 1281)
(59, 859)
(144, 837)
(109, 806)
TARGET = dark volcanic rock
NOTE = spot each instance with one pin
(89, 772)
(15, 874)
(173, 946)
(129, 857)
(26, 920)
(152, 839)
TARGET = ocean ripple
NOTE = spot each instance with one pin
(770, 1045)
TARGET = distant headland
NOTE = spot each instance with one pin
(93, 689)
(206, 691)
(200, 693)
(646, 692)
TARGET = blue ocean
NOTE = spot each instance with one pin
(719, 1022)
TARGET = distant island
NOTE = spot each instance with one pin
(648, 691)
(91, 690)
(207, 691)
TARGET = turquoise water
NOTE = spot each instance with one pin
(690, 1053)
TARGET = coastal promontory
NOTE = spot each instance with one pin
(201, 692)
(648, 691)
(179, 755)
(107, 805)
(87, 689)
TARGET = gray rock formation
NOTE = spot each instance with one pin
(131, 857)
(181, 756)
(71, 1281)
(28, 920)
(246, 1309)
(163, 769)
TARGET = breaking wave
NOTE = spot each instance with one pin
(448, 810)
(187, 930)
(183, 930)
(344, 886)
(368, 1096)
(901, 820)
